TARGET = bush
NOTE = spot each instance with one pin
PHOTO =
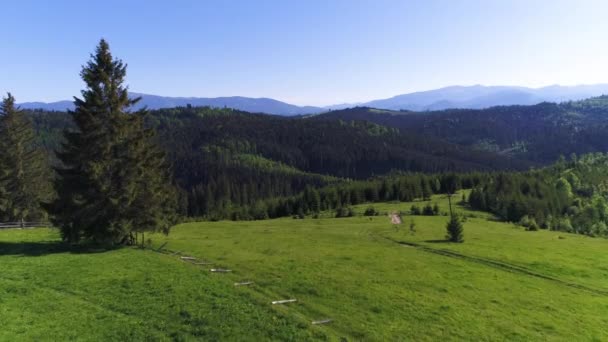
(428, 210)
(412, 227)
(524, 221)
(371, 211)
(455, 230)
(344, 212)
(529, 223)
(562, 225)
(415, 210)
(599, 229)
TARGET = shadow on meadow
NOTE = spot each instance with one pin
(48, 247)
(438, 241)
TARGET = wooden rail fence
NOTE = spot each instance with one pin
(23, 225)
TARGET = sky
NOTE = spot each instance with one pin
(305, 52)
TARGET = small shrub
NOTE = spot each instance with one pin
(415, 210)
(371, 211)
(344, 212)
(428, 210)
(563, 225)
(524, 221)
(533, 226)
(412, 227)
(529, 223)
(436, 209)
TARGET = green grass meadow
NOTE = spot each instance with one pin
(375, 281)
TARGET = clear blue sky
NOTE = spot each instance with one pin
(303, 51)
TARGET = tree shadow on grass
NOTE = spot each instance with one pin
(41, 248)
(438, 241)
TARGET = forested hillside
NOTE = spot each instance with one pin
(539, 133)
(223, 158)
(568, 196)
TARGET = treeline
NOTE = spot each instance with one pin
(570, 196)
(403, 187)
(24, 169)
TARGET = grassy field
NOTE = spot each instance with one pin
(375, 281)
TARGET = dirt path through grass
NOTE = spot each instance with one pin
(497, 264)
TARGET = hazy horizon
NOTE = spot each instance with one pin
(343, 103)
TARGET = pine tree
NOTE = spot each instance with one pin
(113, 181)
(315, 201)
(23, 166)
(455, 231)
(4, 196)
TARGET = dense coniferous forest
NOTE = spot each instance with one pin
(223, 158)
(538, 133)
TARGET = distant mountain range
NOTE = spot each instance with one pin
(480, 97)
(248, 104)
(471, 97)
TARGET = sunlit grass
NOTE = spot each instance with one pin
(341, 269)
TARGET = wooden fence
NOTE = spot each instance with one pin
(22, 225)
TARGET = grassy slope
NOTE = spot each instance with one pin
(570, 257)
(344, 269)
(122, 295)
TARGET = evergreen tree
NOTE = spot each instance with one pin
(113, 180)
(455, 231)
(426, 189)
(315, 201)
(23, 166)
(4, 197)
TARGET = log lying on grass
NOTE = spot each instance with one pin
(220, 270)
(244, 283)
(187, 258)
(323, 321)
(202, 263)
(284, 301)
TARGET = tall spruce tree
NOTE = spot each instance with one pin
(4, 196)
(24, 181)
(113, 181)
